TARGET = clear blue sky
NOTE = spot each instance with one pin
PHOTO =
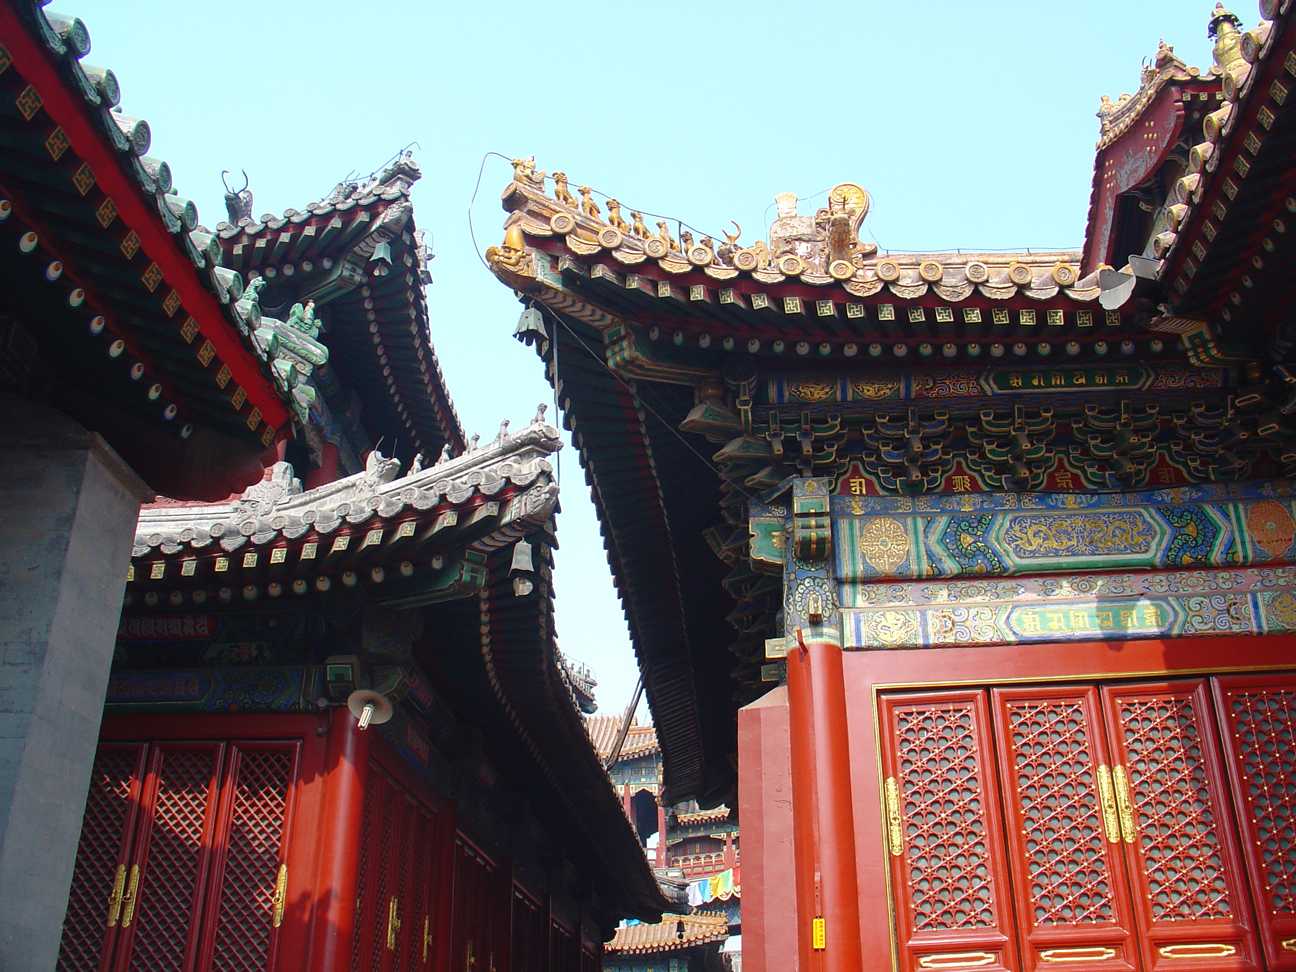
(971, 124)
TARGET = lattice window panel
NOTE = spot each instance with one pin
(1264, 724)
(385, 885)
(260, 798)
(1172, 804)
(423, 929)
(170, 875)
(1061, 812)
(368, 841)
(941, 782)
(103, 834)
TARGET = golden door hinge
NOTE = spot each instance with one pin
(1197, 950)
(1107, 796)
(427, 937)
(894, 832)
(1095, 953)
(280, 897)
(1124, 803)
(115, 899)
(955, 960)
(393, 922)
(1288, 945)
(128, 899)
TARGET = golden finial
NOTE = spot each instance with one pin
(1224, 29)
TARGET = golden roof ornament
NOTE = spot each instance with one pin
(1223, 29)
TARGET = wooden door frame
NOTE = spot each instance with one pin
(871, 672)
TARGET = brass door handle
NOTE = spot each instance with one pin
(393, 922)
(280, 897)
(1124, 803)
(115, 898)
(956, 960)
(427, 937)
(1107, 797)
(128, 900)
(1093, 953)
(1197, 950)
(895, 834)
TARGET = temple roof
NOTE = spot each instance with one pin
(639, 740)
(377, 520)
(668, 936)
(814, 354)
(813, 289)
(119, 267)
(359, 256)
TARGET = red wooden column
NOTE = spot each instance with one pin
(661, 836)
(821, 784)
(729, 850)
(346, 770)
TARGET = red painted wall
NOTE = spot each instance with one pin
(765, 809)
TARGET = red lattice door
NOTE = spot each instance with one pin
(1258, 714)
(366, 902)
(944, 833)
(250, 870)
(1176, 826)
(473, 921)
(530, 927)
(90, 928)
(421, 914)
(168, 867)
(1072, 897)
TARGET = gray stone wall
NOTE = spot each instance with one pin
(68, 507)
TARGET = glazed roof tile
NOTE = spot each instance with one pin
(276, 509)
(665, 936)
(822, 252)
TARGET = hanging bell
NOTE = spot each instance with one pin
(522, 558)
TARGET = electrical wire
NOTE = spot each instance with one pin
(640, 398)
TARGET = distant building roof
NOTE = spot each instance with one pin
(639, 740)
(667, 935)
(713, 815)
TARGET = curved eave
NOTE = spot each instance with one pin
(1229, 264)
(137, 266)
(654, 497)
(510, 687)
(378, 329)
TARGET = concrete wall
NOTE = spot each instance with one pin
(68, 507)
(765, 810)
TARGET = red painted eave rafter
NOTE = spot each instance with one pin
(68, 110)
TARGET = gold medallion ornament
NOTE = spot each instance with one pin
(891, 629)
(872, 389)
(884, 544)
(812, 391)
